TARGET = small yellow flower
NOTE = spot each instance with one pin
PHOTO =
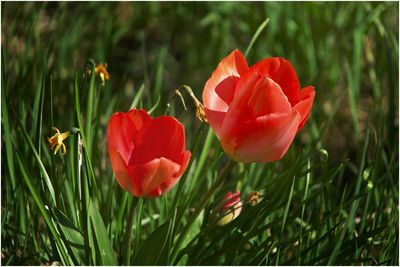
(57, 141)
(101, 70)
(254, 198)
(200, 113)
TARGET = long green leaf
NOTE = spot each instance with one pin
(256, 34)
(103, 245)
(154, 246)
(40, 163)
(43, 211)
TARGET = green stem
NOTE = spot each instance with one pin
(129, 226)
(138, 225)
(200, 207)
(178, 93)
(182, 181)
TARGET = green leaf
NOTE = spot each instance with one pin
(154, 249)
(349, 224)
(72, 235)
(256, 34)
(90, 108)
(101, 240)
(138, 96)
(155, 105)
(6, 131)
(39, 202)
(39, 161)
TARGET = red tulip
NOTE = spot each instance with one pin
(257, 111)
(147, 155)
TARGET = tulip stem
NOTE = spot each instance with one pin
(128, 231)
(218, 182)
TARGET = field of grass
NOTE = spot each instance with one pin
(332, 200)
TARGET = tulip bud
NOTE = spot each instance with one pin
(231, 208)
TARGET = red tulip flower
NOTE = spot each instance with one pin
(257, 111)
(147, 155)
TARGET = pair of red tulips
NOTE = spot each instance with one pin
(255, 113)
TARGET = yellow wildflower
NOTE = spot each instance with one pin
(254, 198)
(101, 70)
(200, 113)
(57, 141)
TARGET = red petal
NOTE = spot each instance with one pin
(156, 172)
(162, 137)
(122, 130)
(264, 139)
(260, 97)
(231, 199)
(304, 106)
(257, 96)
(282, 72)
(184, 164)
(215, 119)
(169, 183)
(121, 133)
(123, 175)
(219, 89)
(139, 117)
(145, 173)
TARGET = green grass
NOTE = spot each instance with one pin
(333, 199)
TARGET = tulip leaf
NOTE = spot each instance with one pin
(154, 250)
(101, 240)
(73, 237)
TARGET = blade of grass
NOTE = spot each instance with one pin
(285, 215)
(159, 73)
(138, 225)
(182, 181)
(255, 36)
(39, 202)
(42, 90)
(155, 105)
(88, 162)
(90, 107)
(39, 161)
(138, 96)
(36, 105)
(200, 207)
(6, 132)
(103, 246)
(128, 231)
(349, 224)
(71, 234)
(302, 212)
